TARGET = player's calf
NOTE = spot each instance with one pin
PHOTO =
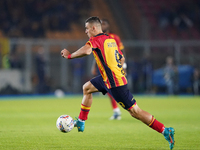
(140, 114)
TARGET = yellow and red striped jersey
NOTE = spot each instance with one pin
(107, 55)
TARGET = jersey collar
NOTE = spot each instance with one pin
(99, 34)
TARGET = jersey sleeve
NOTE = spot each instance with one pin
(89, 43)
(92, 43)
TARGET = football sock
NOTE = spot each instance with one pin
(84, 112)
(113, 102)
(81, 120)
(163, 131)
(117, 110)
(156, 125)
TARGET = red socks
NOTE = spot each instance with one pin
(156, 125)
(84, 112)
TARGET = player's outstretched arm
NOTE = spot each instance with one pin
(83, 51)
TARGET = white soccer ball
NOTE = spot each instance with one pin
(65, 123)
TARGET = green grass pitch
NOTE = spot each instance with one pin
(29, 123)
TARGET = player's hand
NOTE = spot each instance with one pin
(64, 53)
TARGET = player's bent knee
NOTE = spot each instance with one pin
(135, 111)
(85, 88)
(88, 88)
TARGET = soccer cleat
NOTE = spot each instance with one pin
(79, 124)
(169, 136)
(116, 116)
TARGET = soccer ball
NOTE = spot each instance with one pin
(65, 123)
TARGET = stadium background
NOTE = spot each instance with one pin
(33, 32)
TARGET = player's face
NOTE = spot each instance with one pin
(105, 26)
(89, 29)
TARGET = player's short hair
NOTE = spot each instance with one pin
(105, 20)
(93, 20)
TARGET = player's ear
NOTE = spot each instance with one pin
(93, 28)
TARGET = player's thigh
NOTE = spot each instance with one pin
(99, 84)
(88, 88)
(123, 96)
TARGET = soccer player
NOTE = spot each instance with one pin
(106, 29)
(112, 79)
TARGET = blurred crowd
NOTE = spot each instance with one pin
(183, 16)
(170, 79)
(32, 18)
